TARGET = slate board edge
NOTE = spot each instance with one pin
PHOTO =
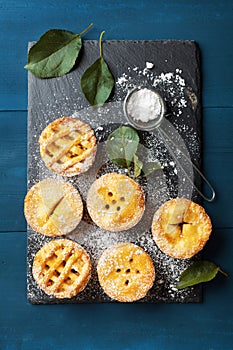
(198, 114)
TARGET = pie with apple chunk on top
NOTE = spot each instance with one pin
(53, 207)
(181, 228)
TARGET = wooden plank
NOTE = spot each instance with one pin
(23, 326)
(217, 162)
(13, 172)
(217, 130)
(205, 326)
(218, 168)
(209, 23)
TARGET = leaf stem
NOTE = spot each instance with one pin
(100, 44)
(86, 30)
(223, 272)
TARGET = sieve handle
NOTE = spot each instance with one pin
(163, 135)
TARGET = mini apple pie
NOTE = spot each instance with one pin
(62, 268)
(53, 207)
(68, 146)
(126, 272)
(115, 202)
(181, 228)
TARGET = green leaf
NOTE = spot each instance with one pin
(122, 145)
(137, 166)
(97, 81)
(198, 272)
(55, 53)
(150, 167)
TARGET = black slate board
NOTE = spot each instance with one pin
(176, 74)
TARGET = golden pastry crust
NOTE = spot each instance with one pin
(181, 228)
(115, 202)
(62, 268)
(53, 207)
(68, 146)
(126, 272)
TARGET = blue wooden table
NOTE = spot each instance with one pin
(208, 325)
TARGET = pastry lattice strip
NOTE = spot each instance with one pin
(61, 147)
(62, 266)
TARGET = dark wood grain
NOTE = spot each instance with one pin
(207, 22)
(13, 169)
(205, 326)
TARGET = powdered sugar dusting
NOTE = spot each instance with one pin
(159, 187)
(171, 84)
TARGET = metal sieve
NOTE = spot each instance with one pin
(155, 125)
(138, 124)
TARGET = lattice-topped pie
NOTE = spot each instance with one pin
(126, 272)
(181, 228)
(68, 146)
(115, 202)
(62, 268)
(53, 207)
